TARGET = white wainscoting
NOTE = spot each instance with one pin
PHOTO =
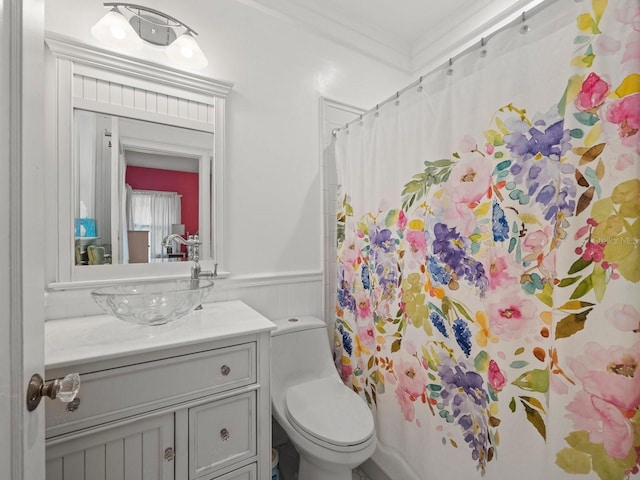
(274, 295)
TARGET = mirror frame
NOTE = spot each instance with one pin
(89, 78)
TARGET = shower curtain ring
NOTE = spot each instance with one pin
(420, 88)
(450, 69)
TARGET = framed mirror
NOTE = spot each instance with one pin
(128, 134)
(136, 183)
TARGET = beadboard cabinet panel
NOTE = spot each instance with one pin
(133, 451)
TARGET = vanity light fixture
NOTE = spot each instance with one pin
(152, 26)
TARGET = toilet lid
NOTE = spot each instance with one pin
(329, 411)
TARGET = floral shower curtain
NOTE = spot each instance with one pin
(488, 300)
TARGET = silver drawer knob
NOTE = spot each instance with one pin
(224, 434)
(169, 454)
(225, 370)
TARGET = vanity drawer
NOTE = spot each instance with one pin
(120, 392)
(221, 433)
(249, 472)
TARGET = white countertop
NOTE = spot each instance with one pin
(72, 341)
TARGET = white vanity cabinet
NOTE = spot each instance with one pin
(188, 401)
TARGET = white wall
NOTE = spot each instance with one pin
(273, 199)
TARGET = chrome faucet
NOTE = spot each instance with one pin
(193, 254)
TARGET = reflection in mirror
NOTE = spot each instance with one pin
(137, 182)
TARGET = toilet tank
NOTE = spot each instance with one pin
(300, 351)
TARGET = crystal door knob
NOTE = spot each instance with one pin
(65, 389)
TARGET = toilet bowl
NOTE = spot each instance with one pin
(328, 423)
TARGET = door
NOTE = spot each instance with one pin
(21, 235)
(138, 246)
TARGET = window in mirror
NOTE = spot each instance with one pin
(137, 182)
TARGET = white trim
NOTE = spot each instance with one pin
(267, 279)
(159, 148)
(369, 41)
(22, 281)
(429, 54)
(218, 170)
(224, 281)
(66, 47)
(342, 106)
(431, 50)
(119, 111)
(327, 202)
(274, 295)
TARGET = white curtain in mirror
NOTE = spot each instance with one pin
(86, 155)
(93, 151)
(154, 212)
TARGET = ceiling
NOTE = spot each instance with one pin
(410, 35)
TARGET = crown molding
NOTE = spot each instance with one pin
(364, 39)
(71, 49)
(468, 30)
(434, 48)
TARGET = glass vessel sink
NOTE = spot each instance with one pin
(152, 303)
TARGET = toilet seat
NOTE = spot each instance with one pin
(328, 413)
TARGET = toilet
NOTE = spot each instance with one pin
(330, 426)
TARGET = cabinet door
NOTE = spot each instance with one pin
(142, 450)
(221, 433)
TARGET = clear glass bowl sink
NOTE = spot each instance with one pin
(152, 303)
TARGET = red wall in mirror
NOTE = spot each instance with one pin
(184, 183)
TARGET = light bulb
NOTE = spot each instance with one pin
(118, 32)
(114, 30)
(185, 52)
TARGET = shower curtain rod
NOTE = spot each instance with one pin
(522, 18)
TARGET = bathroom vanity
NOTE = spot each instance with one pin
(187, 400)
